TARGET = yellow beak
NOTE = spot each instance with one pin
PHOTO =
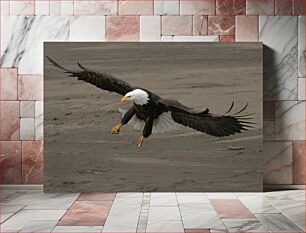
(125, 99)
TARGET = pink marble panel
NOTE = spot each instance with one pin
(231, 209)
(176, 25)
(195, 230)
(230, 7)
(86, 213)
(227, 38)
(283, 7)
(247, 29)
(27, 108)
(97, 196)
(298, 7)
(196, 7)
(200, 25)
(105, 7)
(30, 87)
(8, 84)
(122, 28)
(269, 110)
(22, 7)
(32, 162)
(221, 25)
(10, 162)
(299, 162)
(135, 7)
(260, 7)
(9, 120)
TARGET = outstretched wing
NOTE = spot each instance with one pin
(215, 125)
(100, 80)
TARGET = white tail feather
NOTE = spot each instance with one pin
(162, 124)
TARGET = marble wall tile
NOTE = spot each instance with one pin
(27, 129)
(279, 35)
(32, 162)
(290, 120)
(176, 25)
(221, 25)
(225, 38)
(122, 28)
(283, 7)
(150, 28)
(22, 7)
(39, 120)
(22, 40)
(166, 7)
(230, 7)
(301, 88)
(301, 46)
(298, 162)
(10, 162)
(8, 87)
(5, 7)
(203, 7)
(107, 7)
(135, 7)
(87, 28)
(190, 38)
(277, 163)
(298, 7)
(200, 25)
(260, 7)
(42, 7)
(30, 87)
(269, 110)
(247, 28)
(269, 130)
(9, 120)
(66, 7)
(55, 8)
(27, 109)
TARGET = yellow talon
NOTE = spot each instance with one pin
(140, 142)
(116, 129)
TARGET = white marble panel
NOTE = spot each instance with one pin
(199, 198)
(257, 205)
(66, 7)
(279, 35)
(55, 8)
(42, 7)
(130, 195)
(221, 196)
(39, 120)
(301, 89)
(39, 226)
(27, 109)
(166, 7)
(87, 28)
(105, 7)
(290, 120)
(165, 226)
(190, 38)
(85, 229)
(278, 223)
(150, 28)
(27, 129)
(164, 213)
(9, 210)
(5, 7)
(22, 40)
(278, 163)
(294, 195)
(240, 225)
(163, 199)
(301, 46)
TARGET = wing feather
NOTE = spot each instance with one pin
(204, 121)
(101, 80)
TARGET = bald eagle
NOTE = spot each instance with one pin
(148, 109)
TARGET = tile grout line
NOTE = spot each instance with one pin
(143, 215)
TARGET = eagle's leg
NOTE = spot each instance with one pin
(146, 132)
(124, 120)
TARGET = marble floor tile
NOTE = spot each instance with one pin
(129, 195)
(237, 225)
(74, 229)
(97, 196)
(165, 226)
(277, 223)
(167, 213)
(9, 210)
(192, 198)
(39, 226)
(221, 196)
(295, 195)
(163, 199)
(20, 219)
(257, 205)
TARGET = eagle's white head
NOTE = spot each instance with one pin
(138, 96)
